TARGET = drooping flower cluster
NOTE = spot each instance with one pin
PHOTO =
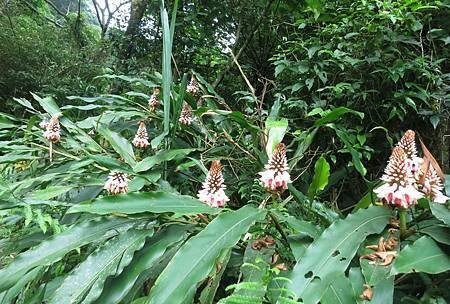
(275, 177)
(117, 183)
(193, 87)
(52, 129)
(212, 192)
(153, 102)
(141, 138)
(186, 115)
(432, 186)
(405, 180)
(399, 187)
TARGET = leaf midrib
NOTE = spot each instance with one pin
(415, 262)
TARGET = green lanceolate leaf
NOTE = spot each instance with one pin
(85, 283)
(383, 292)
(320, 179)
(155, 202)
(119, 144)
(117, 288)
(422, 256)
(8, 296)
(195, 259)
(208, 293)
(335, 114)
(301, 226)
(166, 67)
(275, 130)
(166, 155)
(333, 251)
(339, 291)
(441, 212)
(49, 192)
(54, 248)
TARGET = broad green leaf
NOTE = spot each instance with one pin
(439, 233)
(356, 279)
(155, 202)
(335, 114)
(208, 293)
(120, 145)
(441, 212)
(195, 259)
(320, 179)
(162, 156)
(333, 251)
(49, 192)
(55, 247)
(48, 104)
(383, 292)
(8, 296)
(339, 291)
(424, 255)
(275, 130)
(301, 226)
(117, 288)
(298, 244)
(85, 282)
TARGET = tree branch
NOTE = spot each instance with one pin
(244, 46)
(43, 16)
(56, 8)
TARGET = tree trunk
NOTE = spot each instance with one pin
(137, 10)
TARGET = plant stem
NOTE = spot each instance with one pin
(402, 216)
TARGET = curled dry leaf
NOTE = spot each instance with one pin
(367, 293)
(383, 251)
(263, 242)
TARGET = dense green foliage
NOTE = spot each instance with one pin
(338, 82)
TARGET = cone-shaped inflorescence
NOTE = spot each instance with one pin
(399, 188)
(186, 115)
(141, 138)
(193, 87)
(432, 186)
(153, 102)
(212, 192)
(117, 183)
(408, 144)
(53, 130)
(276, 176)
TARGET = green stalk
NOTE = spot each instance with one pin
(402, 216)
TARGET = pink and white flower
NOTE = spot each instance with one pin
(53, 129)
(141, 138)
(408, 144)
(193, 87)
(276, 176)
(432, 186)
(153, 102)
(43, 124)
(399, 188)
(213, 193)
(117, 183)
(186, 115)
